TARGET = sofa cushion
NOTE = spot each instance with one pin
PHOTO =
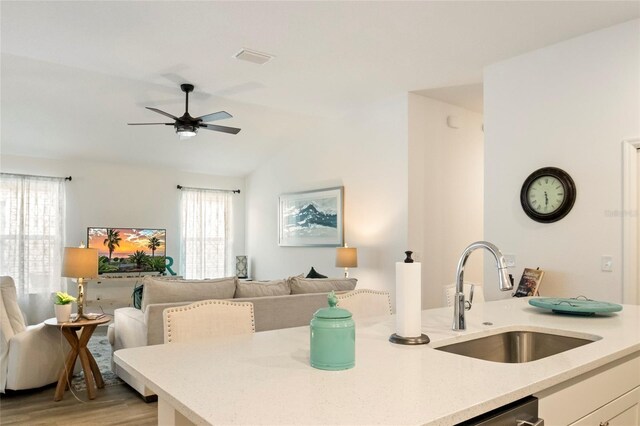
(164, 291)
(315, 274)
(262, 288)
(136, 296)
(321, 285)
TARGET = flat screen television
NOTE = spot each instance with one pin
(128, 249)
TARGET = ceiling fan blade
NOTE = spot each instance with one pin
(162, 112)
(220, 115)
(224, 129)
(149, 124)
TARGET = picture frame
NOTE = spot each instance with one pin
(311, 218)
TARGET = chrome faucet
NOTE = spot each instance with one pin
(503, 277)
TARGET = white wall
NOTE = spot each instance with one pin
(366, 152)
(120, 195)
(568, 105)
(445, 192)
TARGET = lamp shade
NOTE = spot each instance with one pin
(80, 262)
(346, 257)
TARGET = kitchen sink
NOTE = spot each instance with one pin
(516, 346)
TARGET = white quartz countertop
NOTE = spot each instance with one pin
(266, 378)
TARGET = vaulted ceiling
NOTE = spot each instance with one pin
(74, 73)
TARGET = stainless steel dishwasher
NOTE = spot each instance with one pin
(523, 412)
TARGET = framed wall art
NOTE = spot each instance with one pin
(311, 218)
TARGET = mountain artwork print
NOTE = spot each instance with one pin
(311, 218)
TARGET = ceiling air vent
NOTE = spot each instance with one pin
(253, 56)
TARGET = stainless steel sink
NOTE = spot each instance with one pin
(516, 346)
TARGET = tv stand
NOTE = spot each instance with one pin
(111, 291)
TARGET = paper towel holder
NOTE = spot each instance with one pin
(423, 339)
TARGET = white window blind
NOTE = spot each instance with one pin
(32, 216)
(205, 233)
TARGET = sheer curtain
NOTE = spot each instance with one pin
(205, 234)
(32, 215)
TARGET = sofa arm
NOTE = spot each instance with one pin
(154, 321)
(130, 330)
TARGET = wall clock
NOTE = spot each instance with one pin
(548, 194)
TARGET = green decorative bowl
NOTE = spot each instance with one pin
(575, 306)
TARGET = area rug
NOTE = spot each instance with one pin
(101, 350)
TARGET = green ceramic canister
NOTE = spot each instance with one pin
(333, 337)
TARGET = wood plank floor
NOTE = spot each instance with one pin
(114, 405)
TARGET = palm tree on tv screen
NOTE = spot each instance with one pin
(113, 239)
(154, 243)
(139, 258)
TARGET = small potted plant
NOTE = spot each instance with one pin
(62, 305)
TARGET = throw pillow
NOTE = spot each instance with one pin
(314, 274)
(136, 296)
(165, 291)
(321, 285)
(262, 288)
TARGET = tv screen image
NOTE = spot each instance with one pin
(128, 249)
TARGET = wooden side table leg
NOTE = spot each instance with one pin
(97, 375)
(87, 331)
(64, 378)
(88, 374)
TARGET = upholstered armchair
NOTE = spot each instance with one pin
(30, 356)
(364, 303)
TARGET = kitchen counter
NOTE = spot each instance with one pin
(265, 378)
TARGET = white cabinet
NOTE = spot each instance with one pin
(610, 393)
(622, 411)
(105, 294)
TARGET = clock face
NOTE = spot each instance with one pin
(548, 194)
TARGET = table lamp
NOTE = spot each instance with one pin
(80, 263)
(346, 257)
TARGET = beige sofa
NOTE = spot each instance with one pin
(277, 304)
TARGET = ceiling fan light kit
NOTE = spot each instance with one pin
(186, 131)
(187, 126)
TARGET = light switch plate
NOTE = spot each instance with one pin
(510, 259)
(607, 263)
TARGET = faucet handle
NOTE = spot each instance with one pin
(469, 303)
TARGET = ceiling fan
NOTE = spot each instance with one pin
(187, 126)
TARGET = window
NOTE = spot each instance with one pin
(205, 233)
(32, 214)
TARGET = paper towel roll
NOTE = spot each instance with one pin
(408, 299)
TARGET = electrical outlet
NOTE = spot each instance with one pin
(510, 259)
(607, 263)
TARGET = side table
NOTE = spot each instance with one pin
(92, 376)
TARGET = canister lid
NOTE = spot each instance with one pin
(332, 312)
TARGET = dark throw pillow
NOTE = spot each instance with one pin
(314, 274)
(136, 297)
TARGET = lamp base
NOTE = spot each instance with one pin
(80, 301)
(423, 339)
(81, 317)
